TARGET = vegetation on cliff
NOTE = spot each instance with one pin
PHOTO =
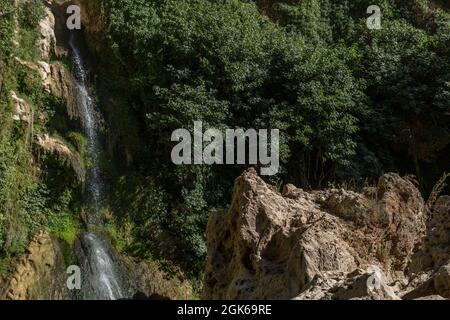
(351, 103)
(36, 192)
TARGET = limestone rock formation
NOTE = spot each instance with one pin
(435, 251)
(358, 285)
(320, 244)
(442, 281)
(47, 40)
(39, 274)
(59, 82)
(56, 147)
(22, 111)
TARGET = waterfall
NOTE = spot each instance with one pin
(87, 111)
(103, 281)
(102, 278)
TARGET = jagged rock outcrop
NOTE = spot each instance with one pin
(358, 285)
(435, 251)
(56, 78)
(54, 146)
(22, 111)
(430, 265)
(316, 245)
(47, 40)
(39, 274)
(442, 281)
(59, 82)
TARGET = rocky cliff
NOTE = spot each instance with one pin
(334, 244)
(39, 274)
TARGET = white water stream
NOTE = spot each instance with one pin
(102, 274)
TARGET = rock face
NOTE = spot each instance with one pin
(51, 145)
(317, 245)
(22, 111)
(435, 251)
(358, 285)
(94, 22)
(59, 82)
(430, 266)
(38, 274)
(47, 40)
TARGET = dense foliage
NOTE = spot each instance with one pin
(35, 193)
(351, 103)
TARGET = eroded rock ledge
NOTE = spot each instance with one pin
(323, 244)
(39, 274)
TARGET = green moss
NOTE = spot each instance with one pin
(30, 201)
(27, 49)
(4, 265)
(30, 13)
(66, 228)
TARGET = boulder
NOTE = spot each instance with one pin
(434, 297)
(358, 285)
(272, 245)
(442, 281)
(364, 285)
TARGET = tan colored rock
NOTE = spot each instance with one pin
(442, 281)
(23, 111)
(434, 297)
(364, 285)
(47, 40)
(56, 80)
(57, 147)
(274, 246)
(38, 274)
(438, 237)
(27, 64)
(357, 285)
(59, 82)
(402, 213)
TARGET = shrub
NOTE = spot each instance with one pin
(31, 12)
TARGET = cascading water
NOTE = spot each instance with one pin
(103, 280)
(87, 112)
(102, 277)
